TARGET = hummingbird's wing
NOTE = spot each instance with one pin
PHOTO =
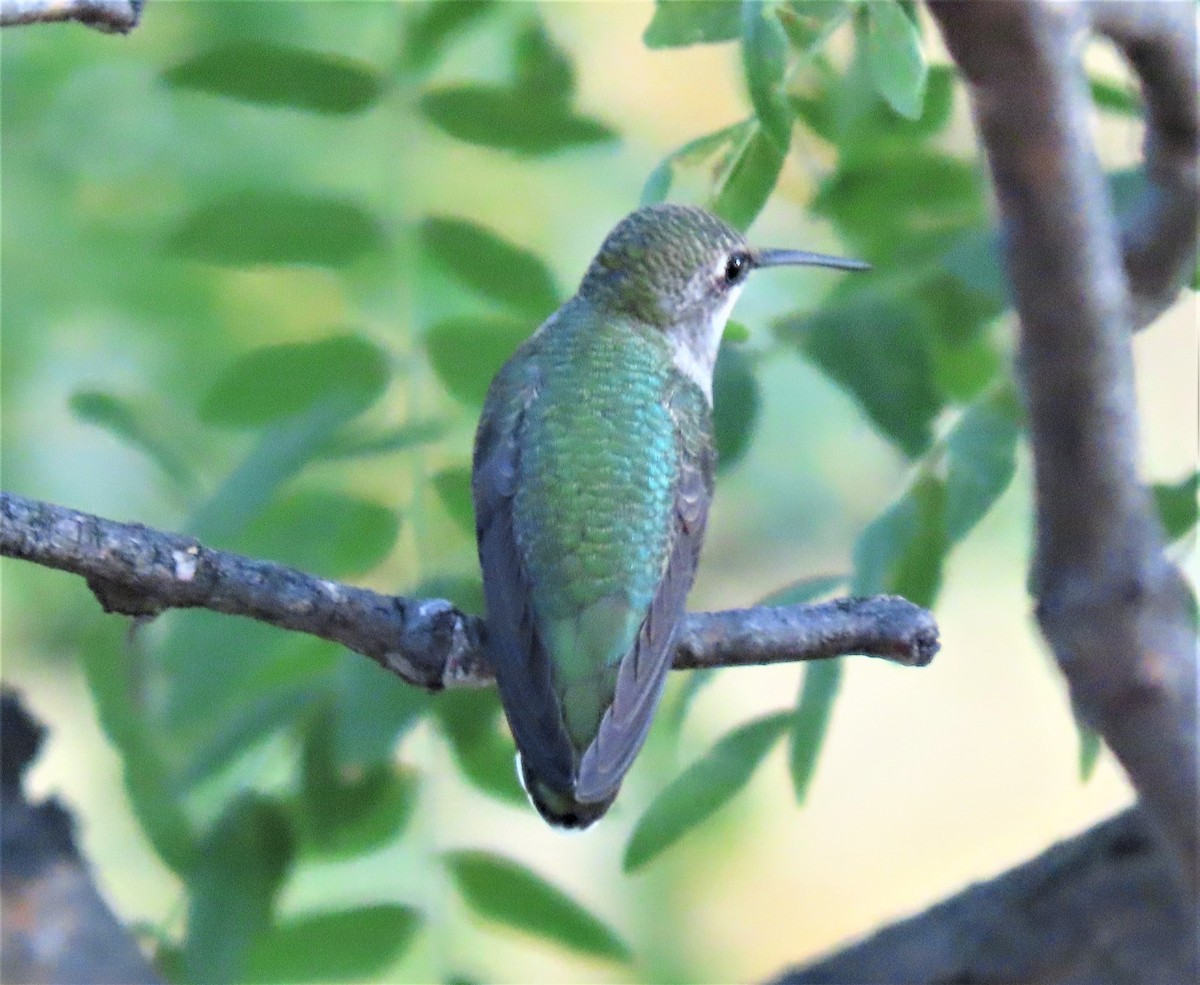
(643, 670)
(523, 669)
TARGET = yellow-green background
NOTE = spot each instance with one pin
(929, 778)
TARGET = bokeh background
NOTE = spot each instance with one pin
(928, 779)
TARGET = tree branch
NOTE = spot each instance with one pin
(1100, 908)
(1159, 229)
(110, 16)
(1112, 607)
(57, 927)
(140, 572)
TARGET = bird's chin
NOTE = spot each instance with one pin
(697, 343)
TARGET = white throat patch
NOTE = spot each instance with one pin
(696, 358)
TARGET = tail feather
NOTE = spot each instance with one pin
(560, 808)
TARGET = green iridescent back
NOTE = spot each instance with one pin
(594, 510)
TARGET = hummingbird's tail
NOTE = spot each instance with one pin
(560, 809)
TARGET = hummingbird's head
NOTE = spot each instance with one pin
(680, 269)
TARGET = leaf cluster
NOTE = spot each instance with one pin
(249, 755)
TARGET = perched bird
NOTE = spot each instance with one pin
(593, 471)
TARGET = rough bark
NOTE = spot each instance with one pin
(1111, 606)
(140, 572)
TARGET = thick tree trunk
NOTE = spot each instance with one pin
(1101, 908)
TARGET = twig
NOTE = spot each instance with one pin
(140, 572)
(110, 16)
(1111, 606)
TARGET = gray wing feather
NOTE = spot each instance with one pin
(643, 671)
(524, 673)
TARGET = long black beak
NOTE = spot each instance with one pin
(802, 258)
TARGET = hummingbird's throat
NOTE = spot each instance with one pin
(697, 342)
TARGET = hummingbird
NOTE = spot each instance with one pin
(592, 475)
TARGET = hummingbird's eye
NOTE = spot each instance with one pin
(736, 267)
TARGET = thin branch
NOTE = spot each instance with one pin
(140, 572)
(1112, 607)
(110, 16)
(1100, 908)
(885, 626)
(1159, 230)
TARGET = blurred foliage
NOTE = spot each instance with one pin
(508, 893)
(177, 188)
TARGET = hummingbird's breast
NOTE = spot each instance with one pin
(594, 505)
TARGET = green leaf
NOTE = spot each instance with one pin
(744, 186)
(764, 59)
(975, 259)
(202, 712)
(867, 131)
(278, 75)
(353, 945)
(703, 787)
(658, 183)
(360, 443)
(435, 25)
(349, 811)
(246, 720)
(467, 352)
(232, 889)
(471, 723)
(735, 405)
(980, 460)
(735, 333)
(901, 551)
(1127, 187)
(270, 227)
(1115, 97)
(323, 532)
(494, 267)
(124, 420)
(284, 449)
(955, 312)
(727, 140)
(873, 346)
(372, 709)
(809, 23)
(964, 370)
(695, 682)
(114, 677)
(894, 54)
(805, 590)
(509, 119)
(1176, 505)
(1089, 751)
(505, 891)
(912, 206)
(683, 22)
(810, 722)
(542, 68)
(453, 486)
(281, 381)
